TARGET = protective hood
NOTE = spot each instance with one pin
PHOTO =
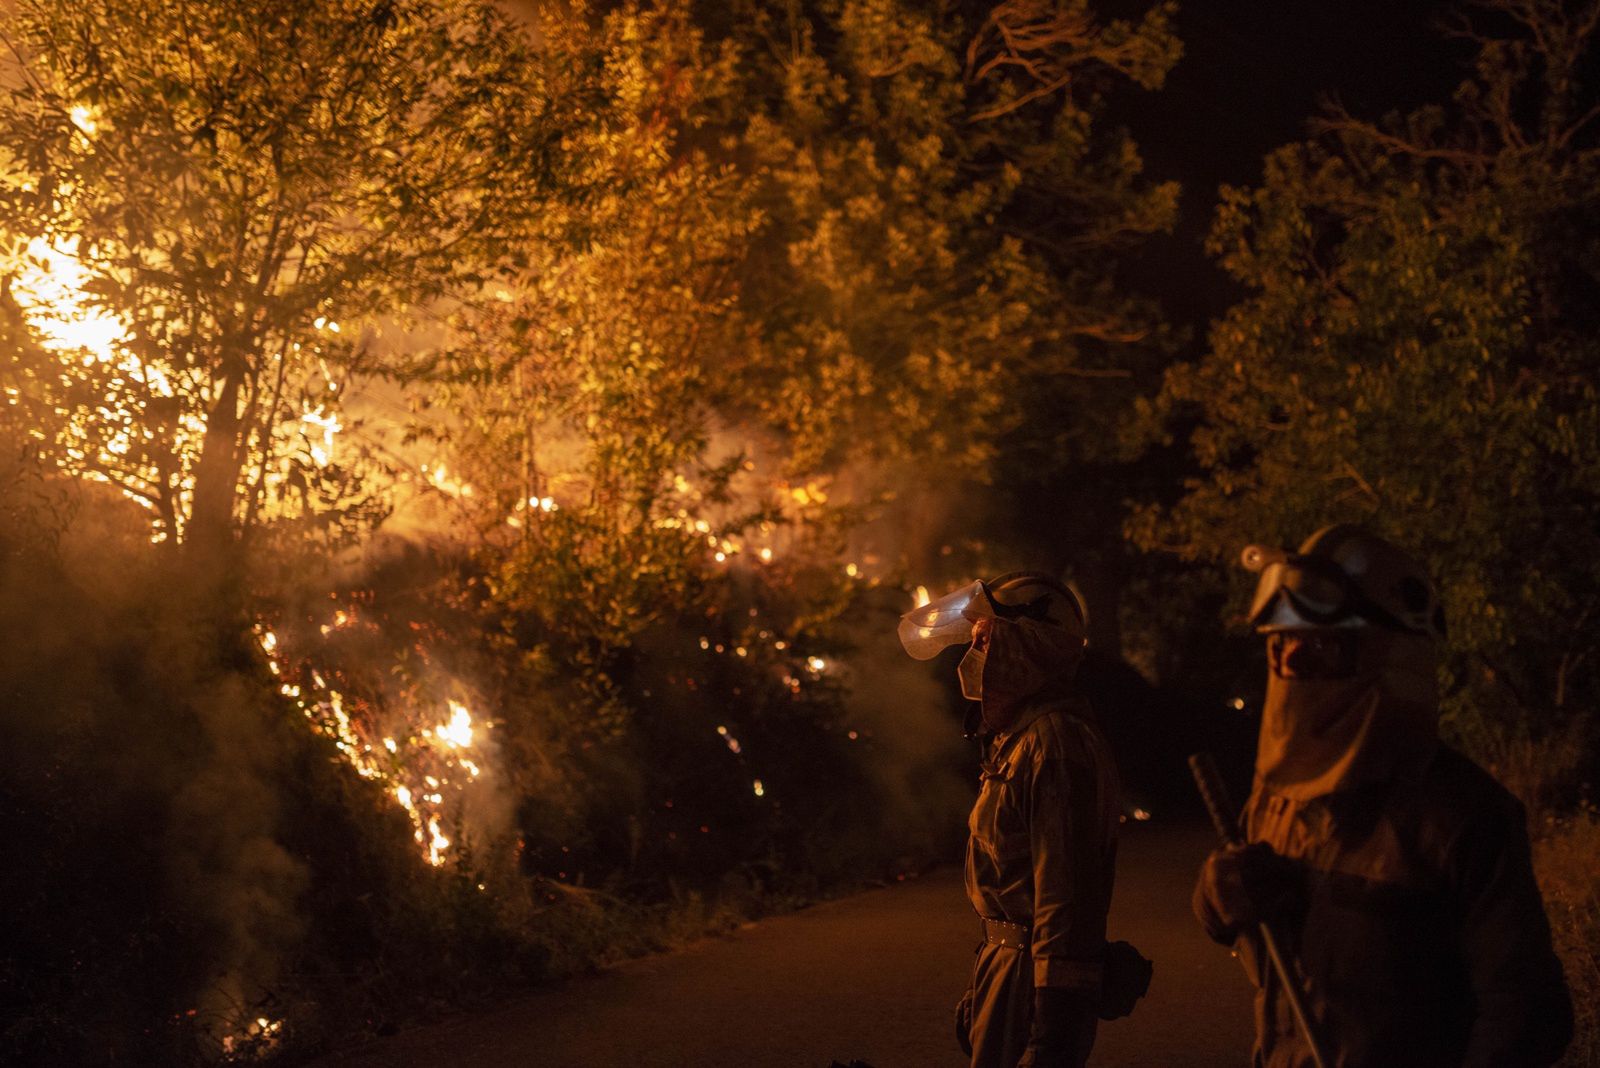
(1321, 736)
(1036, 639)
(1026, 659)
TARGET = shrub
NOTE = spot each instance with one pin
(1564, 857)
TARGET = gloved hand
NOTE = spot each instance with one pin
(1242, 886)
(964, 1023)
(1127, 979)
(1063, 1029)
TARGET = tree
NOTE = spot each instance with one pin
(941, 204)
(1418, 354)
(208, 205)
(845, 243)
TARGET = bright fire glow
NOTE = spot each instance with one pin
(83, 119)
(49, 285)
(322, 445)
(413, 770)
(458, 732)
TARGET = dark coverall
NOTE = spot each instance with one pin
(1420, 938)
(1040, 864)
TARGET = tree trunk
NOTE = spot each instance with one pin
(209, 540)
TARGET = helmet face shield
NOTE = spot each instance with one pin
(1319, 592)
(1020, 596)
(928, 629)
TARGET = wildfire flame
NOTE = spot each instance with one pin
(394, 763)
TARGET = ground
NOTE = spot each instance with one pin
(871, 977)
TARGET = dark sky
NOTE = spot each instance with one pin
(1252, 73)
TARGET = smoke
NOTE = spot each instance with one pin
(142, 771)
(902, 711)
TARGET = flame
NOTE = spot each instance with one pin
(439, 478)
(329, 425)
(49, 285)
(387, 760)
(437, 843)
(83, 118)
(261, 1034)
(458, 732)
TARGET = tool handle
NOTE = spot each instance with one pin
(1214, 792)
(1292, 994)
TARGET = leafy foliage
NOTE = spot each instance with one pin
(234, 195)
(1417, 354)
(939, 203)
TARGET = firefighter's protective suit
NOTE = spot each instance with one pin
(1396, 871)
(1042, 846)
(1040, 863)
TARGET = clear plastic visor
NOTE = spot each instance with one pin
(1320, 594)
(928, 629)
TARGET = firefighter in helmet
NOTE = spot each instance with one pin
(1396, 871)
(1042, 842)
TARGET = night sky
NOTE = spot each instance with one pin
(1252, 73)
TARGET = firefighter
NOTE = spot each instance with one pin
(1042, 843)
(1395, 870)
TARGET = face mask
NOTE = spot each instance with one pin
(970, 671)
(1363, 714)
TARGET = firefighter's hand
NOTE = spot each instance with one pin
(1063, 1029)
(964, 1023)
(1242, 886)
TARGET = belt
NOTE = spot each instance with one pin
(1001, 933)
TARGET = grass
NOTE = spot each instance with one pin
(1566, 857)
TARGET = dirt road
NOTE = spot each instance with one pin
(871, 977)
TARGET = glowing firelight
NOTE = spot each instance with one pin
(322, 446)
(83, 119)
(261, 1034)
(402, 767)
(49, 285)
(458, 732)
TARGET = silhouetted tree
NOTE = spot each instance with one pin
(1418, 354)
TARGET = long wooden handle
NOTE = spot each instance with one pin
(1214, 792)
